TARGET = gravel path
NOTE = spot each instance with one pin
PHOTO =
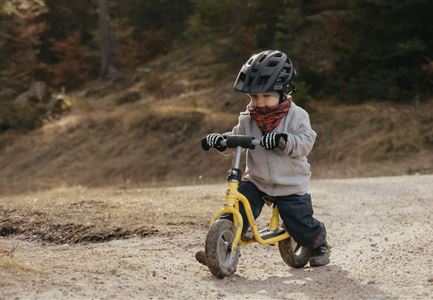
(380, 230)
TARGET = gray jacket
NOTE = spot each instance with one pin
(280, 172)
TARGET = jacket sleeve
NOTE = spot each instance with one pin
(301, 137)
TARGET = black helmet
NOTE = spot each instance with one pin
(267, 71)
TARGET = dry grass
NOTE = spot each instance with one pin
(159, 142)
(13, 269)
(9, 264)
(156, 139)
(373, 139)
(76, 215)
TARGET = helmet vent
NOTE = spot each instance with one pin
(287, 69)
(250, 61)
(279, 54)
(242, 77)
(272, 63)
(262, 58)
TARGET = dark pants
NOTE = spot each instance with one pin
(296, 211)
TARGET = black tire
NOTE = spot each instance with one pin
(220, 260)
(293, 254)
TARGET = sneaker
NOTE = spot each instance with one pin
(201, 257)
(320, 256)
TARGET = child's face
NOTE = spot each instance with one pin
(263, 99)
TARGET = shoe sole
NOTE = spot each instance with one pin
(318, 262)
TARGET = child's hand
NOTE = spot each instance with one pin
(273, 140)
(214, 139)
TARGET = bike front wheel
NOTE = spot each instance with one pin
(221, 260)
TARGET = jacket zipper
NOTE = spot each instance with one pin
(271, 185)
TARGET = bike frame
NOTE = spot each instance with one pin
(231, 206)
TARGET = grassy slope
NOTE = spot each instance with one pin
(156, 139)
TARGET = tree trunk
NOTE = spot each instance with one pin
(107, 58)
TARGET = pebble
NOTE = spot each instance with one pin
(221, 293)
(371, 282)
(430, 280)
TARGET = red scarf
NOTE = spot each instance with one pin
(268, 118)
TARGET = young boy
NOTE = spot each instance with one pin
(280, 168)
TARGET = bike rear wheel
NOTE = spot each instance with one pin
(294, 254)
(220, 260)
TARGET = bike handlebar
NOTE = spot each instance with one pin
(234, 141)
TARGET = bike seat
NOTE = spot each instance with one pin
(269, 200)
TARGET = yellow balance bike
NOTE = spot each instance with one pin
(224, 236)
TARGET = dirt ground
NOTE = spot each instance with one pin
(75, 242)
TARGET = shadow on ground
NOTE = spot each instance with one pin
(329, 282)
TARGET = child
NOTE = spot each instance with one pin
(279, 169)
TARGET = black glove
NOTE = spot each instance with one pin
(273, 140)
(213, 140)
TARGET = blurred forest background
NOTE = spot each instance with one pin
(108, 91)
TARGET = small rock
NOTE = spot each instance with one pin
(221, 293)
(153, 273)
(386, 239)
(430, 280)
(371, 282)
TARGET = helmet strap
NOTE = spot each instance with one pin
(283, 96)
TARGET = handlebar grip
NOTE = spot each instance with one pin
(205, 145)
(234, 141)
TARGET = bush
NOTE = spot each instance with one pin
(77, 63)
(129, 97)
(20, 116)
(302, 94)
